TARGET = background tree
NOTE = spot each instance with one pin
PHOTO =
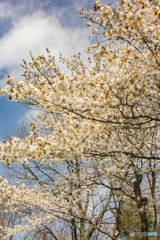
(36, 173)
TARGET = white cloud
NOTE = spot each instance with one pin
(29, 116)
(34, 33)
(6, 11)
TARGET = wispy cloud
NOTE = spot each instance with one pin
(29, 116)
(34, 33)
(6, 10)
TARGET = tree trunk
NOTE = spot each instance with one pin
(82, 232)
(141, 204)
(74, 229)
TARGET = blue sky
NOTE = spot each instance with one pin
(34, 25)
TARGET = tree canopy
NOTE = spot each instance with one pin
(95, 146)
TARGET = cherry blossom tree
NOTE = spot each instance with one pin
(36, 173)
(105, 126)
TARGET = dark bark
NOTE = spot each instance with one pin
(141, 204)
(118, 218)
(74, 229)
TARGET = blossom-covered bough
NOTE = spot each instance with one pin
(107, 132)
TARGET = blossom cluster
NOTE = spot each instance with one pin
(105, 113)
